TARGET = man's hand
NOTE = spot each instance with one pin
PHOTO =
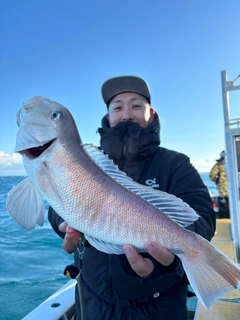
(71, 238)
(144, 266)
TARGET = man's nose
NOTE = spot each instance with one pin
(127, 116)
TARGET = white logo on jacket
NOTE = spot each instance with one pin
(152, 183)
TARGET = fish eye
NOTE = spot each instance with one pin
(19, 117)
(56, 115)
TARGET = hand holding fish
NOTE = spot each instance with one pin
(144, 266)
(71, 239)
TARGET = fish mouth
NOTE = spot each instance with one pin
(35, 152)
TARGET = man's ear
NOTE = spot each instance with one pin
(152, 111)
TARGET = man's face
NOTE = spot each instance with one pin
(130, 107)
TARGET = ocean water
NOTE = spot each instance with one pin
(32, 262)
(212, 187)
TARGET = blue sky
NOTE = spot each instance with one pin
(64, 50)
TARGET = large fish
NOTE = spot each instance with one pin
(89, 192)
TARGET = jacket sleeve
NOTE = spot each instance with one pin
(214, 173)
(186, 183)
(55, 220)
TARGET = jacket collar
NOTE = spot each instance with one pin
(127, 142)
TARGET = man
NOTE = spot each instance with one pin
(150, 285)
(218, 175)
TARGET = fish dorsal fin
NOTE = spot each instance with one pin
(25, 204)
(179, 211)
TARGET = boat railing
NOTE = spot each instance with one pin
(59, 306)
(234, 123)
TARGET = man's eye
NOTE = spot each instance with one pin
(118, 108)
(137, 106)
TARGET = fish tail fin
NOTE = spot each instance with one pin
(210, 272)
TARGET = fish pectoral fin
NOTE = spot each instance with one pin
(25, 204)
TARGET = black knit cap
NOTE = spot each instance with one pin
(117, 85)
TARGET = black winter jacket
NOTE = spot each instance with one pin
(136, 151)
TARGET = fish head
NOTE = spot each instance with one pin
(41, 122)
